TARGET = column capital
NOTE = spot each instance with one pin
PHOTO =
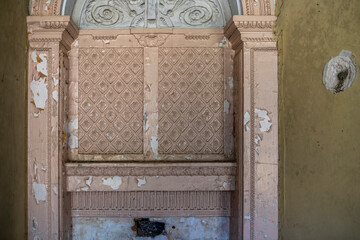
(250, 29)
(58, 29)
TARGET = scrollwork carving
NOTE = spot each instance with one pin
(200, 14)
(104, 13)
(159, 13)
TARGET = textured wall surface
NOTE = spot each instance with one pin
(319, 131)
(13, 60)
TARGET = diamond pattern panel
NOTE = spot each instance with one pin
(191, 100)
(110, 100)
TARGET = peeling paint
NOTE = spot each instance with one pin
(246, 121)
(55, 189)
(231, 82)
(89, 181)
(35, 224)
(226, 106)
(40, 92)
(56, 79)
(154, 145)
(265, 124)
(73, 140)
(223, 42)
(55, 96)
(257, 139)
(84, 189)
(41, 62)
(39, 191)
(141, 182)
(114, 182)
(35, 170)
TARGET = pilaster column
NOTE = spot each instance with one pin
(50, 39)
(256, 199)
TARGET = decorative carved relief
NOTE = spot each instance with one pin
(152, 13)
(151, 40)
(111, 100)
(151, 203)
(191, 100)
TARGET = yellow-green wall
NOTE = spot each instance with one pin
(319, 131)
(13, 59)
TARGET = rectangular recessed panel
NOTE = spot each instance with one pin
(191, 100)
(111, 97)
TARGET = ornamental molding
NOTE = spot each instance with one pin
(197, 37)
(151, 170)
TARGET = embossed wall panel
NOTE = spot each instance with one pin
(110, 100)
(191, 100)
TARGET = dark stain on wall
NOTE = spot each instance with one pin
(13, 62)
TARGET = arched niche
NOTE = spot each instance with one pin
(250, 176)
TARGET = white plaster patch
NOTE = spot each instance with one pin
(224, 42)
(265, 124)
(84, 189)
(141, 182)
(55, 95)
(40, 92)
(89, 181)
(257, 139)
(35, 170)
(107, 41)
(55, 189)
(76, 44)
(73, 140)
(78, 181)
(37, 114)
(41, 65)
(226, 106)
(340, 72)
(39, 191)
(246, 121)
(114, 182)
(35, 224)
(248, 217)
(154, 145)
(231, 82)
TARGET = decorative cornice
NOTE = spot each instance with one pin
(151, 40)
